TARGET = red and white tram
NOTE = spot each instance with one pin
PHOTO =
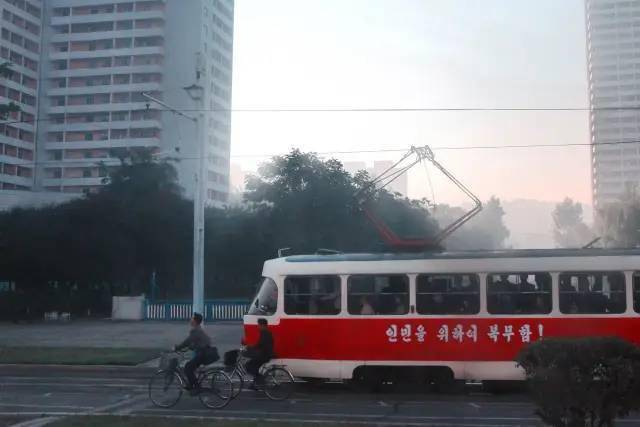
(441, 315)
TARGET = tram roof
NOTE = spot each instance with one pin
(518, 253)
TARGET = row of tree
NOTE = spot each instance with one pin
(616, 225)
(134, 235)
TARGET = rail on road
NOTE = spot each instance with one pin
(182, 310)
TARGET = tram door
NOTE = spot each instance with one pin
(314, 304)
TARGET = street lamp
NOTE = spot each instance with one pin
(196, 93)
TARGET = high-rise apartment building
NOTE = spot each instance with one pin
(97, 59)
(20, 45)
(613, 58)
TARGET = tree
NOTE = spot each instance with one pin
(570, 231)
(579, 382)
(619, 222)
(108, 242)
(311, 203)
(484, 231)
(11, 107)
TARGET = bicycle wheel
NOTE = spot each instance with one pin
(165, 388)
(237, 381)
(216, 389)
(278, 383)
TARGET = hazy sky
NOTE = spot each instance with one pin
(413, 54)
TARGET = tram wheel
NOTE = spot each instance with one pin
(444, 381)
(367, 379)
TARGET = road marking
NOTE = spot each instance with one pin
(87, 379)
(38, 422)
(271, 418)
(474, 405)
(26, 405)
(47, 395)
(120, 385)
(381, 403)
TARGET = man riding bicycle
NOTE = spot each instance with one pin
(260, 353)
(203, 354)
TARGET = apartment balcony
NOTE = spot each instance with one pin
(16, 142)
(22, 51)
(106, 17)
(106, 144)
(94, 126)
(81, 181)
(101, 35)
(22, 32)
(23, 107)
(82, 162)
(115, 88)
(85, 54)
(16, 161)
(18, 180)
(97, 108)
(19, 86)
(86, 72)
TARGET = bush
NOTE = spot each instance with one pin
(582, 381)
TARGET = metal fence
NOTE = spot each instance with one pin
(182, 310)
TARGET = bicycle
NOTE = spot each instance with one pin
(278, 384)
(214, 386)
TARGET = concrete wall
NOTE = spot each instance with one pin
(127, 308)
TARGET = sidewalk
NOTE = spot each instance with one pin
(107, 333)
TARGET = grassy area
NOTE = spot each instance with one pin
(76, 355)
(176, 422)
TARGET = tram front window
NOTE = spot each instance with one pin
(266, 301)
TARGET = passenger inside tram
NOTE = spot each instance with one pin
(400, 308)
(522, 293)
(592, 293)
(501, 300)
(365, 306)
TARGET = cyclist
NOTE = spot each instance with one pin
(203, 353)
(260, 353)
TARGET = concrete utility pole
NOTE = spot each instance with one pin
(196, 93)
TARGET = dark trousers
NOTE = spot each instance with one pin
(198, 359)
(253, 367)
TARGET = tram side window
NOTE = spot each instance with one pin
(315, 295)
(592, 293)
(266, 302)
(519, 293)
(378, 294)
(448, 294)
(636, 292)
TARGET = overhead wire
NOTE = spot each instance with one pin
(324, 153)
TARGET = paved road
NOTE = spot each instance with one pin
(63, 391)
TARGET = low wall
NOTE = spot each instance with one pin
(128, 308)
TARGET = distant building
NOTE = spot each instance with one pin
(93, 59)
(399, 185)
(237, 178)
(614, 92)
(21, 45)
